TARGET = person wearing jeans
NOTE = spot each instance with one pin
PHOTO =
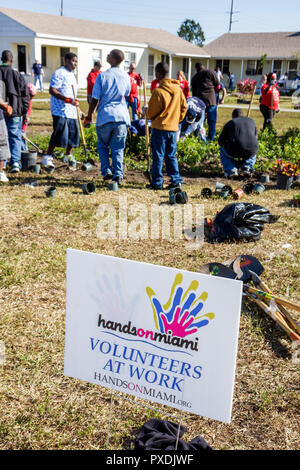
(112, 135)
(167, 108)
(205, 85)
(211, 115)
(239, 145)
(14, 128)
(109, 92)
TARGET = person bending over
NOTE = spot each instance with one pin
(239, 145)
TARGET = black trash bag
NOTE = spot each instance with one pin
(158, 434)
(239, 221)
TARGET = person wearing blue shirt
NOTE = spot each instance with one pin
(109, 92)
(37, 73)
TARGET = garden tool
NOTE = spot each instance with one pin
(251, 101)
(248, 268)
(31, 143)
(218, 269)
(147, 172)
(81, 128)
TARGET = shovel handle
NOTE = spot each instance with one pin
(79, 120)
(277, 318)
(146, 127)
(269, 296)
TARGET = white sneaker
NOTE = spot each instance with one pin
(47, 160)
(3, 177)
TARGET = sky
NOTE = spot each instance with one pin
(253, 16)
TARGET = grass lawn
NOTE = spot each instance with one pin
(42, 409)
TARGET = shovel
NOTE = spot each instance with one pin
(247, 268)
(147, 172)
(81, 128)
(31, 143)
(218, 269)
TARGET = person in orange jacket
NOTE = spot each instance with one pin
(184, 84)
(269, 101)
(91, 79)
(167, 108)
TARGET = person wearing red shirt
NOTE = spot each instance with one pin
(184, 85)
(269, 104)
(133, 101)
(91, 78)
(26, 118)
(154, 84)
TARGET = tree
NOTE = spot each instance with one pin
(192, 32)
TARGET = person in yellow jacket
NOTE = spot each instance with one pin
(167, 108)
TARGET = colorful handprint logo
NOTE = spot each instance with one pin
(182, 313)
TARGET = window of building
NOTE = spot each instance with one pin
(44, 56)
(22, 58)
(130, 57)
(253, 67)
(293, 69)
(96, 55)
(165, 58)
(63, 52)
(185, 65)
(223, 64)
(150, 68)
(277, 67)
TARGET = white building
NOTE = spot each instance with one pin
(33, 36)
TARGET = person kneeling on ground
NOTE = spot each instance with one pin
(4, 145)
(194, 119)
(239, 145)
(167, 108)
(63, 109)
(110, 90)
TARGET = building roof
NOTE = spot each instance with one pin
(63, 26)
(253, 45)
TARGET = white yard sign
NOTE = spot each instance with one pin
(161, 334)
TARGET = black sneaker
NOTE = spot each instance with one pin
(107, 177)
(155, 188)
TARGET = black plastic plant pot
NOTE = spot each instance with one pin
(28, 160)
(248, 188)
(88, 188)
(51, 192)
(206, 192)
(228, 188)
(284, 182)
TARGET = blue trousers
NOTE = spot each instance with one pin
(38, 78)
(112, 137)
(229, 164)
(133, 107)
(164, 147)
(211, 113)
(14, 129)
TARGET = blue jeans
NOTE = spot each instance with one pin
(133, 107)
(229, 164)
(112, 136)
(14, 129)
(38, 78)
(164, 147)
(211, 113)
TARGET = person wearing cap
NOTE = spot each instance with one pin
(26, 118)
(269, 100)
(37, 73)
(194, 119)
(239, 145)
(63, 105)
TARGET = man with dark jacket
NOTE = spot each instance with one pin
(205, 84)
(239, 145)
(17, 96)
